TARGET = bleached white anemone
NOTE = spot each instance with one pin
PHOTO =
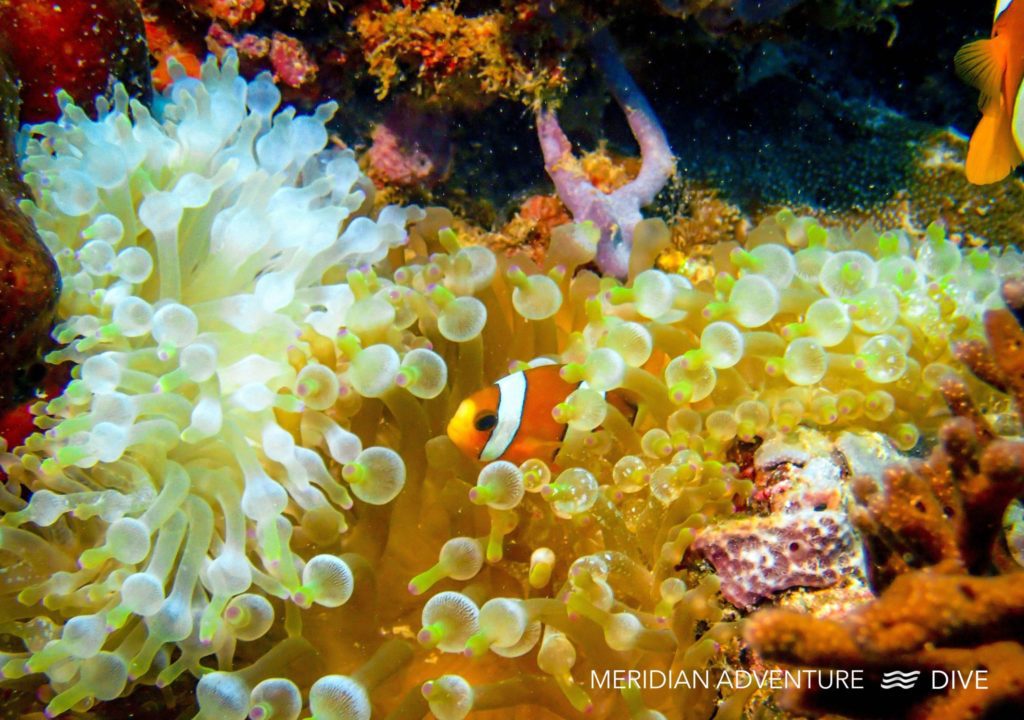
(196, 250)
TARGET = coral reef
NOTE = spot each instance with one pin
(247, 479)
(937, 189)
(292, 63)
(28, 298)
(431, 51)
(458, 57)
(410, 148)
(171, 34)
(285, 56)
(101, 42)
(949, 589)
(739, 78)
(232, 12)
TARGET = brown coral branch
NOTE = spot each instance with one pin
(898, 631)
(976, 356)
(907, 523)
(1006, 339)
(951, 597)
(958, 400)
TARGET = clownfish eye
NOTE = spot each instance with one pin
(485, 421)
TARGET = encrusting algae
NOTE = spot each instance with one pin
(463, 59)
(248, 478)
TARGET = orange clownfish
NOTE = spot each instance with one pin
(511, 419)
(995, 67)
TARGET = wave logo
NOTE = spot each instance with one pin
(901, 680)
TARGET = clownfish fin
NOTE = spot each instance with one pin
(546, 451)
(992, 153)
(625, 404)
(546, 447)
(981, 64)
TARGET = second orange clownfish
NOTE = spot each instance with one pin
(996, 67)
(512, 419)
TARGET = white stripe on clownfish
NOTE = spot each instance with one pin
(1001, 7)
(511, 402)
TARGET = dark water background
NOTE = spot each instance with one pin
(823, 117)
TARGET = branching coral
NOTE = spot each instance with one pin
(950, 595)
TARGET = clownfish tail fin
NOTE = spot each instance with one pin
(992, 153)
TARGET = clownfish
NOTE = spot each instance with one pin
(512, 419)
(995, 67)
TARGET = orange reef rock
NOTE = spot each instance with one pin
(80, 47)
(28, 275)
(171, 33)
(233, 12)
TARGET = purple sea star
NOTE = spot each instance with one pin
(615, 213)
